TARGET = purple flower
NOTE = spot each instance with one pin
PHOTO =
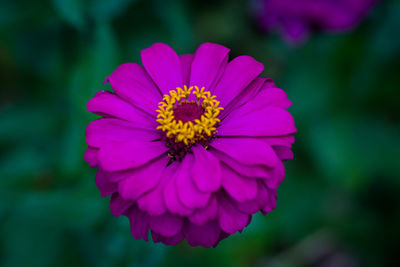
(297, 18)
(190, 146)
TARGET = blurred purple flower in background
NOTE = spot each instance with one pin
(296, 19)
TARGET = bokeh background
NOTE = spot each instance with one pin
(339, 204)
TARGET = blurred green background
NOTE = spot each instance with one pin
(339, 204)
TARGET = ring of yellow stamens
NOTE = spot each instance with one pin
(191, 131)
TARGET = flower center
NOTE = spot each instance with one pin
(188, 116)
(188, 111)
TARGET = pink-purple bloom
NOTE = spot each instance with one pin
(296, 19)
(191, 146)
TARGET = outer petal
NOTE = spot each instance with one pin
(143, 179)
(169, 241)
(239, 73)
(250, 171)
(104, 185)
(167, 224)
(277, 176)
(186, 63)
(247, 151)
(90, 156)
(107, 104)
(230, 218)
(122, 156)
(248, 207)
(131, 82)
(206, 171)
(118, 176)
(139, 221)
(257, 204)
(172, 201)
(208, 213)
(207, 63)
(221, 237)
(188, 194)
(119, 205)
(107, 130)
(271, 205)
(268, 121)
(163, 65)
(238, 187)
(283, 140)
(266, 199)
(245, 96)
(283, 152)
(202, 235)
(153, 201)
(273, 97)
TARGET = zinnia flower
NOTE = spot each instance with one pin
(191, 146)
(296, 19)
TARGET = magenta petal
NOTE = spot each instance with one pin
(271, 204)
(119, 205)
(139, 221)
(268, 121)
(104, 185)
(277, 176)
(202, 235)
(274, 97)
(167, 224)
(90, 156)
(110, 105)
(283, 140)
(283, 152)
(143, 179)
(250, 171)
(247, 151)
(118, 176)
(153, 201)
(122, 156)
(248, 207)
(186, 63)
(239, 73)
(269, 83)
(238, 187)
(270, 97)
(103, 131)
(257, 204)
(207, 64)
(188, 194)
(221, 237)
(171, 198)
(206, 171)
(245, 96)
(172, 201)
(169, 241)
(208, 213)
(163, 65)
(131, 82)
(264, 197)
(230, 218)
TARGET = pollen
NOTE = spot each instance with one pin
(189, 115)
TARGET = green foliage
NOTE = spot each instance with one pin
(339, 200)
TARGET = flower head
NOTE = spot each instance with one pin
(296, 19)
(191, 146)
